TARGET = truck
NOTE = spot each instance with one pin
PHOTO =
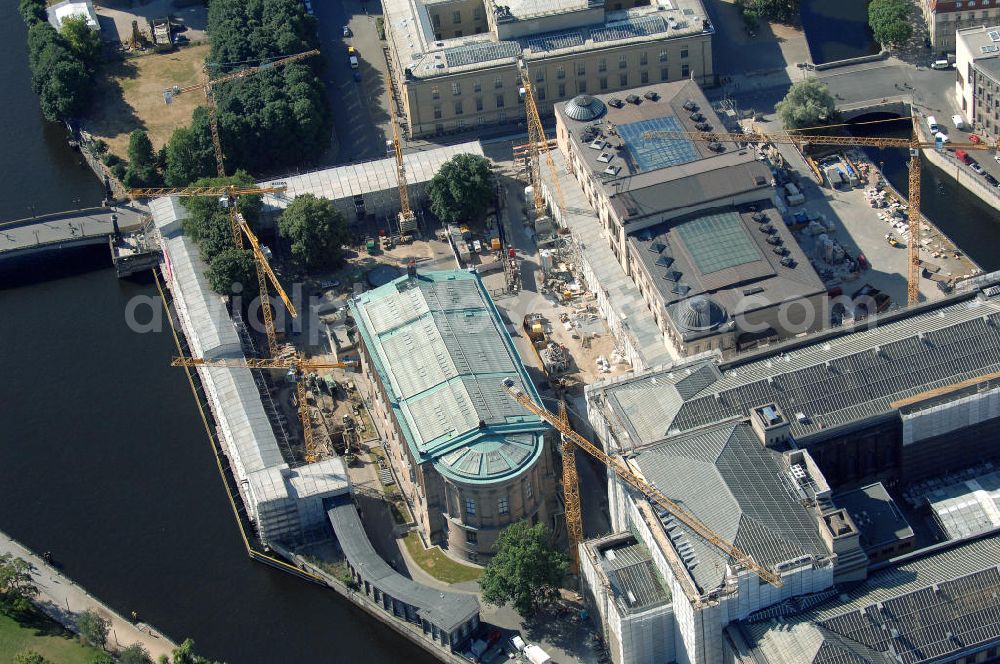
(536, 655)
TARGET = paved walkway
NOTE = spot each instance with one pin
(61, 599)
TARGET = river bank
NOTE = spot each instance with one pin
(60, 598)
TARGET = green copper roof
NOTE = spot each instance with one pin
(441, 352)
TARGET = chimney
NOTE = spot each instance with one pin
(411, 268)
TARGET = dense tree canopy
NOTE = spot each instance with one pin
(93, 627)
(58, 77)
(315, 230)
(777, 10)
(526, 570)
(135, 654)
(32, 11)
(141, 171)
(17, 588)
(231, 271)
(890, 21)
(83, 42)
(189, 154)
(267, 121)
(807, 104)
(462, 189)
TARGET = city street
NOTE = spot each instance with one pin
(359, 116)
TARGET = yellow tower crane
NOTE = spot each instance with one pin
(294, 365)
(538, 145)
(265, 274)
(913, 144)
(407, 219)
(634, 480)
(571, 493)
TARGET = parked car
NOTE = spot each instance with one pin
(351, 51)
(976, 168)
(347, 32)
(996, 158)
(354, 62)
(992, 181)
(357, 76)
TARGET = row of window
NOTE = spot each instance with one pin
(456, 17)
(602, 65)
(581, 87)
(503, 502)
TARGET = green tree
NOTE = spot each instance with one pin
(890, 21)
(32, 11)
(807, 104)
(189, 152)
(462, 188)
(315, 230)
(30, 657)
(82, 41)
(135, 654)
(58, 77)
(17, 588)
(141, 171)
(93, 627)
(526, 570)
(231, 267)
(777, 10)
(184, 654)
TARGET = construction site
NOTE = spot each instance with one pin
(765, 478)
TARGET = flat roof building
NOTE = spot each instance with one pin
(884, 530)
(454, 63)
(690, 221)
(60, 11)
(369, 189)
(469, 459)
(285, 504)
(977, 76)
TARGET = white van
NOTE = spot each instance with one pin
(941, 64)
(932, 124)
(958, 121)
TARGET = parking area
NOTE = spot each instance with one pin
(115, 18)
(358, 95)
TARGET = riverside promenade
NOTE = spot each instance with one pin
(62, 599)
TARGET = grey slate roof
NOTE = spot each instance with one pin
(836, 379)
(633, 578)
(446, 610)
(927, 608)
(737, 488)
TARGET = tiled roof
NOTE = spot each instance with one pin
(839, 379)
(738, 489)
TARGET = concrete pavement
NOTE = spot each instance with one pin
(62, 599)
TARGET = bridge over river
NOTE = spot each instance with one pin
(130, 250)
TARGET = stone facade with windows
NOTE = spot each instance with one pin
(977, 78)
(569, 47)
(945, 17)
(469, 460)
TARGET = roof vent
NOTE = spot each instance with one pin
(634, 99)
(615, 102)
(652, 96)
(690, 106)
(716, 147)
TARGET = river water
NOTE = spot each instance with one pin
(837, 29)
(103, 458)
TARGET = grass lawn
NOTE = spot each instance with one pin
(44, 636)
(129, 96)
(437, 564)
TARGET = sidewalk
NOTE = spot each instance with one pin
(61, 599)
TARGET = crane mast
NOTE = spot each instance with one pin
(538, 146)
(407, 219)
(628, 476)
